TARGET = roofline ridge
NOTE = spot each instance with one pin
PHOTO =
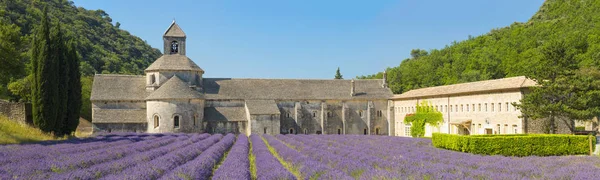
(120, 75)
(291, 79)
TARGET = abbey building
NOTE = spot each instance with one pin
(173, 96)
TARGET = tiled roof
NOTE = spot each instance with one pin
(281, 89)
(119, 87)
(262, 107)
(225, 114)
(119, 116)
(174, 62)
(471, 87)
(174, 31)
(174, 88)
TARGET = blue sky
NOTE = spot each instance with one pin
(309, 39)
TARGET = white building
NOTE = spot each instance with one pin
(483, 107)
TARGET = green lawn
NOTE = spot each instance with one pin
(12, 132)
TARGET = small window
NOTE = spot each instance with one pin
(507, 106)
(377, 131)
(446, 108)
(456, 107)
(486, 107)
(462, 108)
(291, 130)
(265, 130)
(365, 131)
(492, 106)
(195, 119)
(450, 108)
(480, 107)
(515, 108)
(328, 114)
(305, 131)
(339, 131)
(152, 79)
(499, 107)
(176, 122)
(360, 113)
(515, 130)
(498, 129)
(156, 121)
(505, 129)
(314, 113)
(467, 107)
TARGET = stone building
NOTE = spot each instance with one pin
(483, 107)
(173, 96)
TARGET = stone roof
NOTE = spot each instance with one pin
(119, 116)
(512, 83)
(174, 62)
(174, 31)
(119, 87)
(225, 114)
(262, 107)
(290, 89)
(174, 88)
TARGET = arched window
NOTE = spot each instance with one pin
(305, 131)
(174, 47)
(314, 113)
(365, 131)
(291, 130)
(156, 121)
(339, 131)
(377, 131)
(360, 113)
(176, 122)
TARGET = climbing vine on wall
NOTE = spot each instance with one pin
(425, 114)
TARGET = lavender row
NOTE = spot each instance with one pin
(112, 167)
(80, 160)
(201, 167)
(267, 166)
(157, 167)
(237, 164)
(308, 168)
(349, 160)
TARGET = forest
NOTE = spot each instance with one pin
(101, 45)
(515, 50)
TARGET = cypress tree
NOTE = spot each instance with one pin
(43, 92)
(74, 90)
(61, 73)
(338, 75)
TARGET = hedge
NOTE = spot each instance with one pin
(515, 144)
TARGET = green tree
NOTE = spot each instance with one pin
(74, 90)
(425, 114)
(59, 53)
(11, 62)
(44, 87)
(554, 96)
(338, 75)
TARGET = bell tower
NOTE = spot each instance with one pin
(174, 40)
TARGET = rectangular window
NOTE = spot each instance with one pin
(485, 107)
(467, 107)
(498, 129)
(473, 107)
(499, 107)
(450, 108)
(473, 131)
(456, 107)
(515, 130)
(515, 108)
(446, 108)
(492, 106)
(505, 128)
(506, 106)
(462, 108)
(479, 107)
(407, 130)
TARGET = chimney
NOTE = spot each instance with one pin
(352, 92)
(384, 83)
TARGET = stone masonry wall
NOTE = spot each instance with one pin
(542, 126)
(17, 111)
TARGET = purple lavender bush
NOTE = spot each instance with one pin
(237, 164)
(267, 166)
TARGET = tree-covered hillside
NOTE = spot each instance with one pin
(101, 46)
(504, 52)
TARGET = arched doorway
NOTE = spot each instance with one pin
(291, 130)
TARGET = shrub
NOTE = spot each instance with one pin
(515, 144)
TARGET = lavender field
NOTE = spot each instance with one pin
(224, 157)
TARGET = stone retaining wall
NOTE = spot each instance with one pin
(16, 111)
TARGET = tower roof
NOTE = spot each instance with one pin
(174, 31)
(174, 88)
(174, 62)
